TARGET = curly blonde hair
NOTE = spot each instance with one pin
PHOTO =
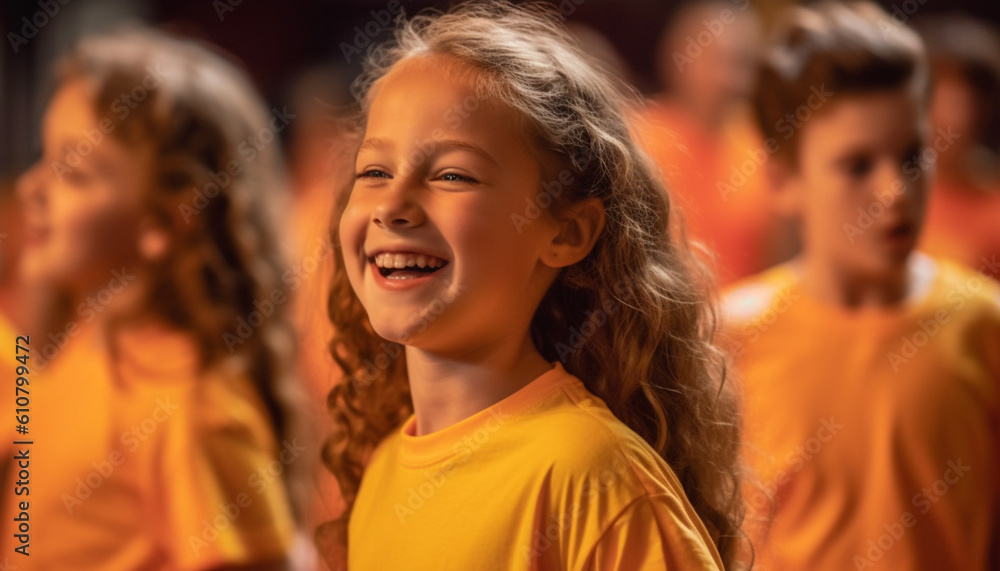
(657, 368)
(197, 114)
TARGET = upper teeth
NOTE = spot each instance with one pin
(398, 261)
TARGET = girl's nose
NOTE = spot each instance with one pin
(31, 184)
(397, 208)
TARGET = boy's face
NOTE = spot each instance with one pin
(860, 187)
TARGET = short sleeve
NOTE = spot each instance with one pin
(648, 536)
(223, 496)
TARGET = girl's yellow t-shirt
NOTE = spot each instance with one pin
(875, 432)
(147, 465)
(546, 479)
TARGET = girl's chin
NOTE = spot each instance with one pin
(397, 333)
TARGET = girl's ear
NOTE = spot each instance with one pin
(579, 230)
(153, 240)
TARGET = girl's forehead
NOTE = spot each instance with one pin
(440, 66)
(438, 90)
(440, 61)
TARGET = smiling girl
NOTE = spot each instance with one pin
(557, 402)
(150, 425)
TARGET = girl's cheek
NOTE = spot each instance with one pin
(351, 223)
(107, 232)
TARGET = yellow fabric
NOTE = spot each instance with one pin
(546, 479)
(876, 430)
(8, 368)
(144, 465)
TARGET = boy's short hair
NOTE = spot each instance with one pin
(826, 50)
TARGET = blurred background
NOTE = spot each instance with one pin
(303, 55)
(279, 42)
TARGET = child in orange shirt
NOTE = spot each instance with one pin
(963, 214)
(531, 378)
(160, 405)
(871, 372)
(700, 134)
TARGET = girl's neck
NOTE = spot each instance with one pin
(123, 302)
(448, 389)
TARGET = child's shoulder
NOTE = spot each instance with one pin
(968, 294)
(751, 297)
(161, 365)
(585, 441)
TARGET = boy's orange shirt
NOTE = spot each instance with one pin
(718, 183)
(155, 467)
(875, 430)
(964, 224)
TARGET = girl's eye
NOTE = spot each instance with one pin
(372, 173)
(455, 177)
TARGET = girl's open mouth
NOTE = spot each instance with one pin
(406, 265)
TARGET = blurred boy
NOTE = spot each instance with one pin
(870, 370)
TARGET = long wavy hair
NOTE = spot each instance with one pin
(657, 367)
(197, 113)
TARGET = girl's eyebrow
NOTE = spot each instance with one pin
(439, 146)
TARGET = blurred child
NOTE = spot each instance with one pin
(963, 215)
(700, 134)
(870, 371)
(530, 379)
(161, 397)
